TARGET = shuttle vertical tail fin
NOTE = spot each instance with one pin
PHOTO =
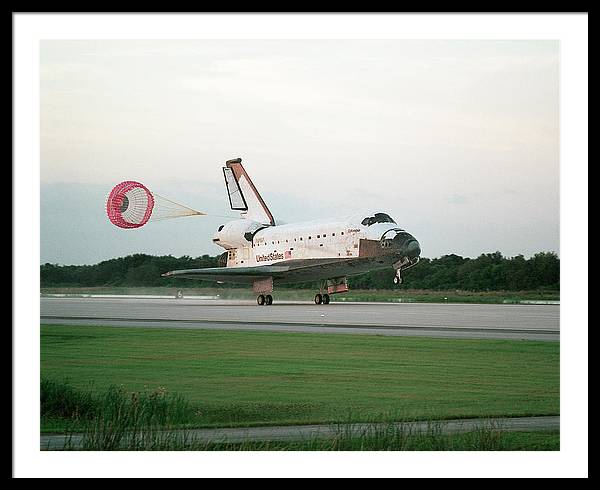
(243, 196)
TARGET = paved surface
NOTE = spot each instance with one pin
(527, 322)
(301, 432)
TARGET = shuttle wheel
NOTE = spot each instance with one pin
(318, 299)
(325, 299)
(261, 299)
(268, 299)
(397, 280)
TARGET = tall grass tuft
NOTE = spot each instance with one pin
(135, 420)
(60, 399)
(115, 418)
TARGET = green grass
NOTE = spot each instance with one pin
(401, 294)
(454, 296)
(481, 440)
(114, 410)
(484, 439)
(263, 378)
(117, 420)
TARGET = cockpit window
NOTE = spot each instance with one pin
(377, 218)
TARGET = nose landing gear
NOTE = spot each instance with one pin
(402, 265)
(398, 277)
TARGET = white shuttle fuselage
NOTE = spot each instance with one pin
(319, 239)
(262, 253)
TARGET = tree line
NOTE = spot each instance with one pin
(488, 272)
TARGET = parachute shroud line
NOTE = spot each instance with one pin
(166, 209)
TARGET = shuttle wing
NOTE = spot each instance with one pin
(291, 271)
(229, 274)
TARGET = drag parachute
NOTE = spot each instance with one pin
(131, 205)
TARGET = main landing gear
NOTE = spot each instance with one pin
(332, 286)
(264, 300)
(321, 298)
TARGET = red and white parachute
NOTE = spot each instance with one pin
(131, 205)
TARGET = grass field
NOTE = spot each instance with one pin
(265, 378)
(284, 294)
(485, 440)
(470, 441)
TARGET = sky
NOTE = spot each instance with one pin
(457, 140)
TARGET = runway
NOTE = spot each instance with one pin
(525, 322)
(304, 432)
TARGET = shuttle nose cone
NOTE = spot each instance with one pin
(413, 249)
(406, 245)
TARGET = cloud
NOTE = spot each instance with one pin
(457, 199)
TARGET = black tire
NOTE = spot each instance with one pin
(268, 299)
(318, 299)
(325, 299)
(396, 280)
(260, 300)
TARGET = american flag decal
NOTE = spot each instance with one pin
(288, 254)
